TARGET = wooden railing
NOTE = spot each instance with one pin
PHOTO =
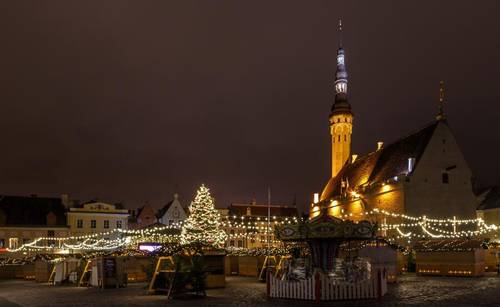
(321, 287)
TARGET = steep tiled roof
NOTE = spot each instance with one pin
(31, 211)
(491, 200)
(390, 161)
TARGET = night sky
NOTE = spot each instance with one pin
(129, 101)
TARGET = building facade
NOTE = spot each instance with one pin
(172, 213)
(489, 209)
(144, 217)
(93, 217)
(246, 224)
(24, 219)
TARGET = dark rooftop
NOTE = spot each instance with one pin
(491, 199)
(31, 211)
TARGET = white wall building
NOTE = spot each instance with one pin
(96, 217)
(172, 212)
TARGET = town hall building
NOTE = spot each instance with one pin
(422, 173)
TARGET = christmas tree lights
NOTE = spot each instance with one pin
(203, 226)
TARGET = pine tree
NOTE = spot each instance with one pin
(203, 226)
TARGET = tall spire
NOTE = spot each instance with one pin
(440, 115)
(341, 104)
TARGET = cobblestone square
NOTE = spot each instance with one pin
(240, 291)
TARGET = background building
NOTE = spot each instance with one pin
(23, 219)
(247, 225)
(144, 216)
(172, 212)
(489, 208)
(95, 217)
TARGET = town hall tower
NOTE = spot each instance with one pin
(341, 117)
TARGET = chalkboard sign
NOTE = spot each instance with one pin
(109, 267)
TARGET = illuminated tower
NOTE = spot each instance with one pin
(341, 116)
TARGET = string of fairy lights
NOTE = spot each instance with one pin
(430, 227)
(260, 231)
(108, 240)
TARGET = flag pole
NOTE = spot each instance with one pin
(268, 217)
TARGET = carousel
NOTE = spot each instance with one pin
(320, 269)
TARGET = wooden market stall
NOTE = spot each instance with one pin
(215, 269)
(382, 256)
(450, 257)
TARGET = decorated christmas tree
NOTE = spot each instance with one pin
(203, 226)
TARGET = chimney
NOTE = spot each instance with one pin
(66, 201)
(353, 158)
(411, 164)
(380, 144)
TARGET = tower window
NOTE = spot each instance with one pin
(339, 138)
(445, 178)
(345, 137)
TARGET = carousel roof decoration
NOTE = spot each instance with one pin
(325, 226)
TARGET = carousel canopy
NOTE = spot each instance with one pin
(327, 227)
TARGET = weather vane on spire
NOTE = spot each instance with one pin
(440, 115)
(340, 31)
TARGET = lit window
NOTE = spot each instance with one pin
(106, 224)
(119, 224)
(13, 243)
(79, 223)
(93, 224)
(340, 59)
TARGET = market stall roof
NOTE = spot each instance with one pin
(448, 245)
